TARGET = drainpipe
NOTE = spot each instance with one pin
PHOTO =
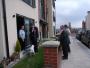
(5, 27)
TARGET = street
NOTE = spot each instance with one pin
(79, 56)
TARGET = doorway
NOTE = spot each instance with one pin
(27, 23)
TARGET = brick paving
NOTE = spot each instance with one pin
(79, 56)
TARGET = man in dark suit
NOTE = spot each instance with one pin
(64, 41)
(68, 32)
(34, 37)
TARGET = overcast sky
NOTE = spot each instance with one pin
(73, 11)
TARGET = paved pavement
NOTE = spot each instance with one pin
(79, 56)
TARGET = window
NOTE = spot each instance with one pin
(54, 18)
(53, 3)
(42, 9)
(32, 3)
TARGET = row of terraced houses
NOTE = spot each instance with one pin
(14, 13)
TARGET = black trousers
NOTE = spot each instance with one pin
(68, 46)
(65, 50)
(34, 42)
(22, 43)
(36, 48)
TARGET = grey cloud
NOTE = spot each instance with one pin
(76, 16)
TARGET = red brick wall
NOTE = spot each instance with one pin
(51, 57)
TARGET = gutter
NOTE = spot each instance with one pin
(5, 27)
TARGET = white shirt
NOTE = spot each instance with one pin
(22, 34)
(68, 30)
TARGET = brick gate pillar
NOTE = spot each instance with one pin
(52, 54)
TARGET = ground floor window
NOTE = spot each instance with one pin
(43, 30)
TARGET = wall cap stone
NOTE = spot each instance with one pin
(51, 44)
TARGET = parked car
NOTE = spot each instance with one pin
(79, 34)
(85, 38)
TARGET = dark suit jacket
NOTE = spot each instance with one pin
(33, 35)
(64, 39)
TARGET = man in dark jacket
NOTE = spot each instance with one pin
(34, 37)
(68, 31)
(64, 41)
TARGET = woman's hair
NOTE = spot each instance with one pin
(65, 26)
(21, 26)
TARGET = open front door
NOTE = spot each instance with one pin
(27, 23)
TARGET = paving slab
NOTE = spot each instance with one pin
(79, 56)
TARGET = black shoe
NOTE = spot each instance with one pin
(64, 57)
(69, 51)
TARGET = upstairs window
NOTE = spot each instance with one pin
(54, 18)
(53, 2)
(42, 9)
(32, 3)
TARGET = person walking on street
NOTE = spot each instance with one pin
(34, 37)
